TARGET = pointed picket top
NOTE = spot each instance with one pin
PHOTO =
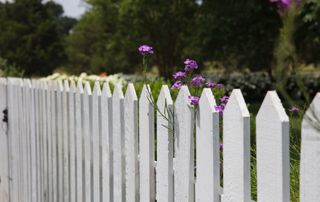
(131, 94)
(60, 85)
(207, 100)
(146, 96)
(236, 149)
(96, 88)
(272, 105)
(87, 88)
(312, 115)
(106, 89)
(80, 86)
(310, 149)
(66, 86)
(236, 102)
(273, 162)
(182, 98)
(164, 97)
(117, 92)
(73, 87)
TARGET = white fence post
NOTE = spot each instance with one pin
(131, 144)
(184, 147)
(59, 122)
(207, 147)
(273, 151)
(87, 141)
(106, 144)
(4, 165)
(236, 150)
(54, 136)
(118, 145)
(146, 145)
(164, 174)
(310, 150)
(72, 140)
(65, 134)
(79, 142)
(49, 139)
(95, 136)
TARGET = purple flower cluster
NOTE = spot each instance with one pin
(190, 65)
(145, 50)
(179, 75)
(185, 77)
(176, 85)
(220, 108)
(194, 100)
(197, 81)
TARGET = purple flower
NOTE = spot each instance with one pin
(220, 108)
(197, 80)
(219, 85)
(190, 65)
(179, 75)
(211, 84)
(176, 85)
(145, 50)
(294, 109)
(221, 146)
(224, 99)
(194, 100)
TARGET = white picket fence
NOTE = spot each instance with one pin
(67, 143)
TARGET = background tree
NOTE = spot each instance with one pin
(32, 35)
(113, 31)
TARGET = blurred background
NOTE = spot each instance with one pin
(255, 45)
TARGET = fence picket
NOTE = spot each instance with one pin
(118, 145)
(207, 147)
(310, 148)
(131, 144)
(54, 136)
(4, 166)
(14, 144)
(146, 145)
(87, 141)
(49, 139)
(236, 150)
(164, 174)
(272, 151)
(20, 125)
(95, 136)
(68, 143)
(59, 100)
(106, 143)
(65, 139)
(79, 142)
(72, 140)
(184, 145)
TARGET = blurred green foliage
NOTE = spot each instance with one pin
(238, 34)
(32, 35)
(235, 34)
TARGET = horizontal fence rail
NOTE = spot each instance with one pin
(65, 141)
